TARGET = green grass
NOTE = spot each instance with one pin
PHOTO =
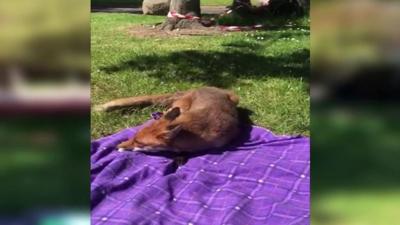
(269, 70)
(216, 2)
(116, 3)
(223, 2)
(356, 176)
(355, 207)
(138, 3)
(38, 174)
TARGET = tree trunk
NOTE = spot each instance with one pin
(185, 7)
(188, 8)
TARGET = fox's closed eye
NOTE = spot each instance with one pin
(139, 144)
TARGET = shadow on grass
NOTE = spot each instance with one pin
(105, 9)
(354, 151)
(116, 3)
(355, 147)
(218, 68)
(44, 163)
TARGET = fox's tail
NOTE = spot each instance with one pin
(142, 101)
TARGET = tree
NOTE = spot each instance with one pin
(186, 13)
(183, 14)
(184, 7)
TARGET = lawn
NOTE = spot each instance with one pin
(356, 176)
(35, 163)
(269, 70)
(138, 3)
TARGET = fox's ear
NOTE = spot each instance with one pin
(171, 131)
(173, 113)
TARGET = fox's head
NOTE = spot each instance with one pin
(157, 136)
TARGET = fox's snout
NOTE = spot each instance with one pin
(132, 146)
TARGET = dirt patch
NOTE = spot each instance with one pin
(143, 31)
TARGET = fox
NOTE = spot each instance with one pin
(195, 120)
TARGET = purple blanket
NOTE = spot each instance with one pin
(262, 180)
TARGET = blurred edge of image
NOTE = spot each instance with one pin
(44, 111)
(355, 57)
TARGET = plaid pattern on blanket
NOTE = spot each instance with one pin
(263, 180)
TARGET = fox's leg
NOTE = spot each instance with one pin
(125, 145)
(234, 98)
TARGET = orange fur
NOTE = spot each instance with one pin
(198, 119)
